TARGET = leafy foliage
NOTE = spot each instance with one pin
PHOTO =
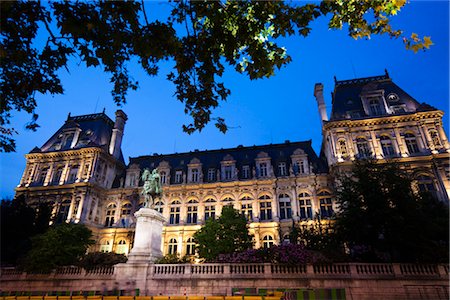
(60, 245)
(19, 222)
(100, 259)
(200, 37)
(382, 219)
(227, 234)
(172, 259)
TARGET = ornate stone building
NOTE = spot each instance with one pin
(81, 170)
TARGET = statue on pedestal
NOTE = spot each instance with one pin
(152, 187)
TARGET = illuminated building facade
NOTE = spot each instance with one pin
(81, 170)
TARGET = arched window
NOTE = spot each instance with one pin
(105, 246)
(246, 198)
(265, 208)
(159, 206)
(227, 199)
(326, 204)
(343, 148)
(363, 148)
(63, 212)
(110, 212)
(411, 143)
(247, 211)
(122, 247)
(267, 241)
(173, 246)
(304, 200)
(210, 208)
(425, 183)
(126, 210)
(386, 146)
(174, 217)
(285, 206)
(435, 139)
(190, 246)
(163, 176)
(192, 209)
(375, 107)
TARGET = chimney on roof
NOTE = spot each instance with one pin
(318, 93)
(117, 133)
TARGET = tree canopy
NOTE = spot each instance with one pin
(226, 235)
(200, 37)
(382, 217)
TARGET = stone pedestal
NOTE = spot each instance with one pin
(147, 237)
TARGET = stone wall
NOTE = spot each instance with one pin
(361, 281)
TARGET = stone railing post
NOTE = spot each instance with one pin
(226, 270)
(443, 270)
(353, 270)
(309, 270)
(267, 269)
(397, 270)
(187, 269)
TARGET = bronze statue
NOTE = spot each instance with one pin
(152, 187)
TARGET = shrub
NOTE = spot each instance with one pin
(101, 259)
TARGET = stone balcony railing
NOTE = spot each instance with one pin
(256, 270)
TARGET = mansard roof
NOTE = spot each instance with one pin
(241, 155)
(347, 101)
(95, 130)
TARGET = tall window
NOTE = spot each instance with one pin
(265, 208)
(326, 206)
(163, 175)
(211, 174)
(375, 107)
(247, 211)
(263, 169)
(386, 146)
(363, 148)
(228, 172)
(42, 175)
(57, 175)
(194, 175)
(174, 217)
(173, 246)
(63, 212)
(192, 210)
(305, 206)
(299, 167)
(425, 183)
(190, 246)
(110, 212)
(73, 174)
(122, 247)
(411, 143)
(246, 172)
(178, 176)
(159, 207)
(285, 207)
(267, 241)
(282, 171)
(126, 210)
(106, 246)
(435, 139)
(343, 148)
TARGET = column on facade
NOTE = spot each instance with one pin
(424, 131)
(295, 204)
(315, 205)
(49, 175)
(31, 174)
(71, 207)
(62, 180)
(201, 212)
(24, 179)
(443, 137)
(375, 144)
(349, 142)
(420, 140)
(80, 208)
(183, 211)
(400, 143)
(80, 170)
(275, 208)
(255, 208)
(257, 238)
(180, 243)
(333, 146)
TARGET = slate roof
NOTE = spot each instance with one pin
(242, 155)
(96, 131)
(346, 97)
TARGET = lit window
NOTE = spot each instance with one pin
(285, 207)
(174, 217)
(305, 206)
(110, 212)
(106, 246)
(326, 206)
(247, 211)
(211, 174)
(386, 146)
(363, 148)
(263, 169)
(178, 176)
(173, 246)
(194, 175)
(210, 208)
(265, 208)
(246, 172)
(190, 246)
(267, 241)
(122, 247)
(192, 212)
(411, 143)
(299, 167)
(343, 148)
(282, 171)
(159, 207)
(126, 210)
